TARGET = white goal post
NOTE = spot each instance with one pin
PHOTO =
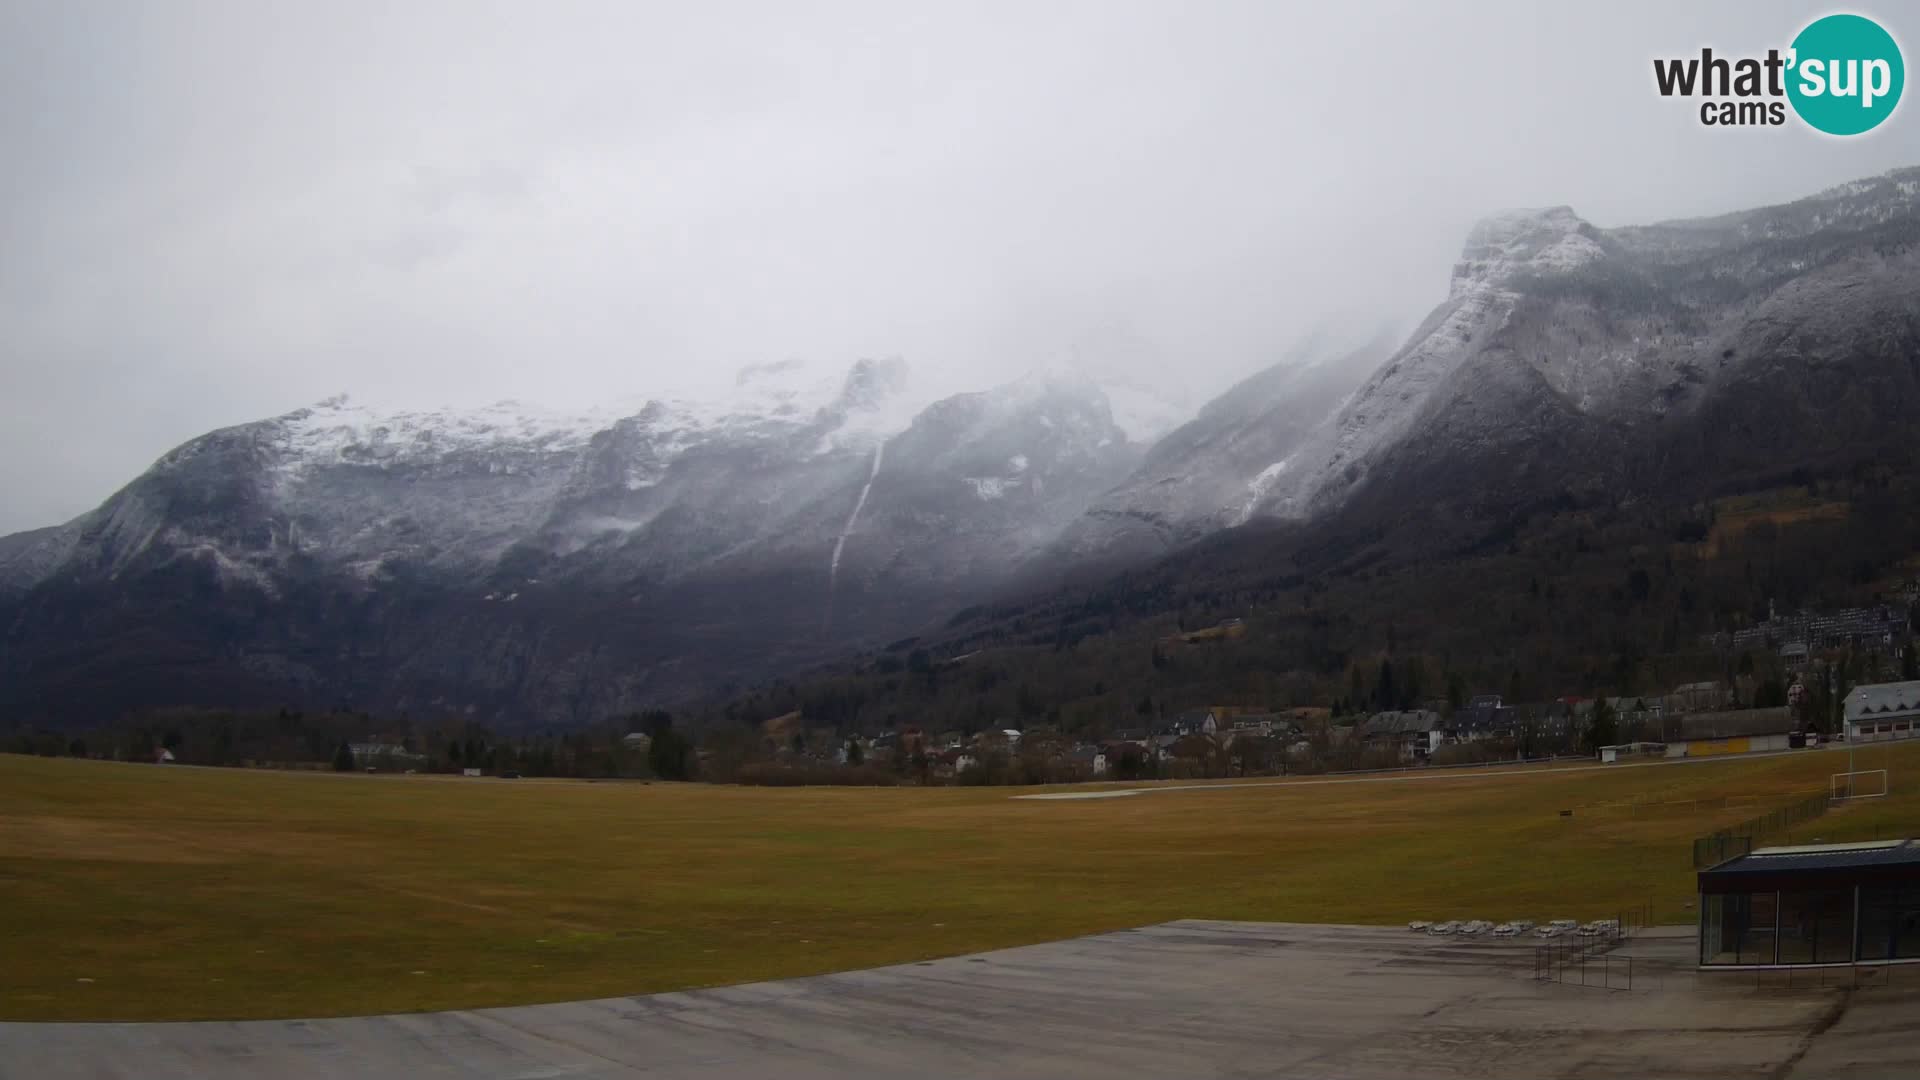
(1859, 785)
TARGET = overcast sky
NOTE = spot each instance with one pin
(215, 212)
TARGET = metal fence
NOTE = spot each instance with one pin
(1737, 840)
(1583, 963)
(1590, 960)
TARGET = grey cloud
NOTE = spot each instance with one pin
(215, 211)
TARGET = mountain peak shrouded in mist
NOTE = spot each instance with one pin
(1519, 241)
(1552, 328)
(501, 226)
(650, 549)
(843, 504)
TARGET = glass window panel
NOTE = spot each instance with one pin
(1906, 925)
(1737, 928)
(1816, 927)
(1879, 923)
(1833, 940)
(1756, 945)
(1890, 923)
(1712, 927)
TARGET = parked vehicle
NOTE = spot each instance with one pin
(1549, 932)
(1504, 930)
(1447, 927)
(1419, 925)
(1524, 926)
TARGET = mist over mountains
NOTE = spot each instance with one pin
(531, 568)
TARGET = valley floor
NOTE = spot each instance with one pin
(133, 892)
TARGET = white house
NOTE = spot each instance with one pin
(1880, 712)
(1195, 722)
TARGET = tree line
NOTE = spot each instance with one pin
(292, 738)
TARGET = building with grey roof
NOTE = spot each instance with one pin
(1879, 712)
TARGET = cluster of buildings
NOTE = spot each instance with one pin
(1693, 720)
(1797, 637)
(1212, 730)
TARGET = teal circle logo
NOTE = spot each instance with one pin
(1846, 74)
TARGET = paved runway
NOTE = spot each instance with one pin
(1184, 999)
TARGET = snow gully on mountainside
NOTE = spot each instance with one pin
(840, 545)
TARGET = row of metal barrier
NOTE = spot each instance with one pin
(1737, 840)
(1585, 963)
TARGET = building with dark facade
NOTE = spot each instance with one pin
(1812, 905)
(1485, 717)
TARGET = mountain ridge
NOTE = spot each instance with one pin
(779, 525)
(532, 568)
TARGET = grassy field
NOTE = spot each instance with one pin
(138, 892)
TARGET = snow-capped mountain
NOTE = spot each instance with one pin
(570, 564)
(533, 567)
(986, 480)
(1570, 358)
(1565, 359)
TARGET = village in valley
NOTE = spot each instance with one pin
(1792, 681)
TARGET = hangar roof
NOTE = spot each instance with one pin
(1816, 866)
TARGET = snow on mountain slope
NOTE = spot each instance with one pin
(1207, 473)
(1499, 251)
(534, 565)
(1559, 338)
(791, 516)
(547, 567)
(27, 557)
(852, 409)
